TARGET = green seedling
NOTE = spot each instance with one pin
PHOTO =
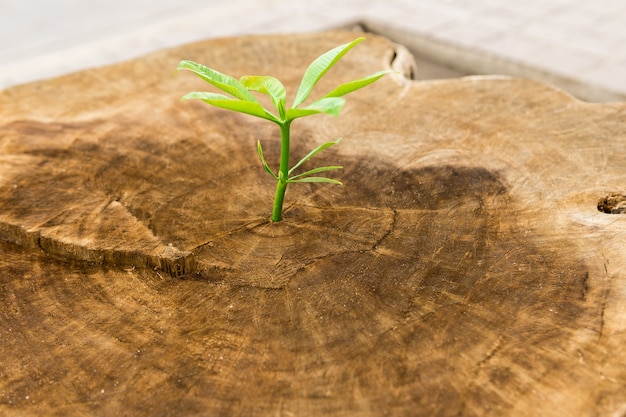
(242, 100)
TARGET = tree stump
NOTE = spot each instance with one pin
(463, 269)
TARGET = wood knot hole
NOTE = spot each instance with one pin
(613, 203)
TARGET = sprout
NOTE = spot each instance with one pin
(240, 99)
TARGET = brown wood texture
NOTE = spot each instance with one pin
(463, 270)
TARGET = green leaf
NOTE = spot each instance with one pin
(270, 86)
(221, 101)
(328, 105)
(267, 168)
(319, 67)
(318, 179)
(313, 153)
(351, 86)
(222, 81)
(316, 171)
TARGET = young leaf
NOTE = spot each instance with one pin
(315, 171)
(222, 81)
(312, 153)
(328, 105)
(221, 101)
(319, 67)
(351, 86)
(267, 168)
(270, 86)
(318, 179)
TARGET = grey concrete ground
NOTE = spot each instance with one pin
(575, 44)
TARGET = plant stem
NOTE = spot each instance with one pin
(283, 172)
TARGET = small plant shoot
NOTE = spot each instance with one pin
(241, 99)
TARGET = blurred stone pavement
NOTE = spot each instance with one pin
(576, 45)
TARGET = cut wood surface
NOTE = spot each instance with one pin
(464, 269)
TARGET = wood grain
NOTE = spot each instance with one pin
(463, 269)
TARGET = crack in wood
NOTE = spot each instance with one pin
(495, 348)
